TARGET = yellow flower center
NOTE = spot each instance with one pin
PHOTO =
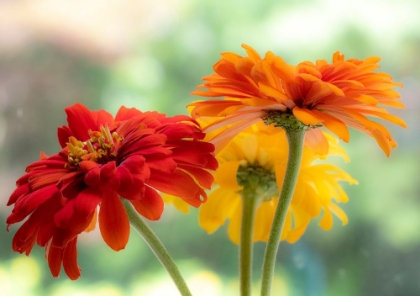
(101, 147)
(257, 181)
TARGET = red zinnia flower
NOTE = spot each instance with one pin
(335, 95)
(103, 159)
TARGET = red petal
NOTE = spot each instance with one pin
(103, 118)
(192, 157)
(178, 119)
(135, 144)
(93, 177)
(70, 260)
(63, 134)
(178, 131)
(46, 178)
(125, 113)
(113, 221)
(202, 176)
(78, 212)
(88, 165)
(30, 202)
(204, 147)
(80, 120)
(54, 256)
(108, 170)
(62, 237)
(26, 236)
(58, 163)
(20, 191)
(72, 184)
(150, 205)
(167, 164)
(179, 184)
(134, 164)
(46, 230)
(130, 186)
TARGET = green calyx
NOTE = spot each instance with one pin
(257, 182)
(286, 121)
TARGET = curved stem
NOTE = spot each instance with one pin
(249, 205)
(157, 247)
(295, 139)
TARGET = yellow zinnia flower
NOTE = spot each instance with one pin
(257, 157)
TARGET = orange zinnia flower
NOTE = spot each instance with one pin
(335, 95)
(103, 158)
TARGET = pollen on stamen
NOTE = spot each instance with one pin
(101, 147)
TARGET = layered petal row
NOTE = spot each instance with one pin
(337, 95)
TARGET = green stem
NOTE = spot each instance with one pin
(249, 205)
(295, 139)
(157, 247)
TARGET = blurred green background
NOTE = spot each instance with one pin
(151, 55)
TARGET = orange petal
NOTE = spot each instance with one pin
(306, 116)
(283, 70)
(113, 221)
(384, 115)
(335, 125)
(262, 73)
(316, 141)
(212, 107)
(318, 91)
(222, 139)
(244, 66)
(272, 92)
(251, 52)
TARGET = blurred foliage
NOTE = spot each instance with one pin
(172, 45)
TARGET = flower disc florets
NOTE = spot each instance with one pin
(101, 148)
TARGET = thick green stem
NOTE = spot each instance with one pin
(295, 139)
(157, 247)
(249, 205)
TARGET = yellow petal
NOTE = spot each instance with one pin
(334, 148)
(220, 205)
(339, 213)
(301, 222)
(327, 220)
(225, 175)
(179, 203)
(234, 227)
(264, 219)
